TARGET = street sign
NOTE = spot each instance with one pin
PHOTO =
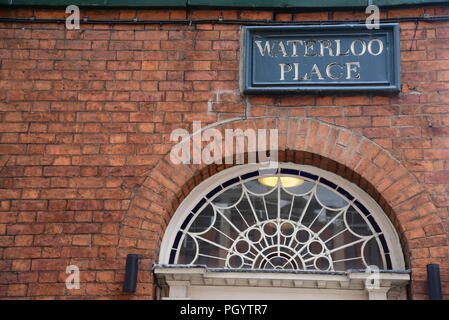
(333, 58)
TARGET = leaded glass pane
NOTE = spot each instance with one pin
(284, 221)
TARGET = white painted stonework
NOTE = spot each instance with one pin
(199, 283)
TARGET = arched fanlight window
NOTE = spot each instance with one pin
(288, 218)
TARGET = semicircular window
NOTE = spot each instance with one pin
(280, 219)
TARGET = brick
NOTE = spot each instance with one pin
(81, 228)
(86, 116)
(23, 252)
(82, 240)
(85, 205)
(256, 15)
(61, 171)
(201, 75)
(151, 35)
(28, 205)
(17, 290)
(436, 154)
(437, 177)
(63, 149)
(105, 240)
(439, 252)
(13, 127)
(225, 45)
(104, 289)
(348, 100)
(21, 265)
(24, 229)
(46, 289)
(48, 264)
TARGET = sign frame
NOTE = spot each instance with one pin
(391, 85)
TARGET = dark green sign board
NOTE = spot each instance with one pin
(321, 58)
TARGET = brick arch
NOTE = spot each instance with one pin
(303, 141)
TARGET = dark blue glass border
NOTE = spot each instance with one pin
(345, 193)
(172, 256)
(362, 208)
(308, 175)
(230, 182)
(290, 171)
(213, 192)
(328, 183)
(199, 205)
(250, 175)
(186, 221)
(384, 243)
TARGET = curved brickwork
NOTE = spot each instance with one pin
(302, 141)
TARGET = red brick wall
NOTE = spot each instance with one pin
(85, 117)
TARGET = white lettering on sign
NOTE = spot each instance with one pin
(333, 71)
(319, 48)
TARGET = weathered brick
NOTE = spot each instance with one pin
(86, 117)
(85, 205)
